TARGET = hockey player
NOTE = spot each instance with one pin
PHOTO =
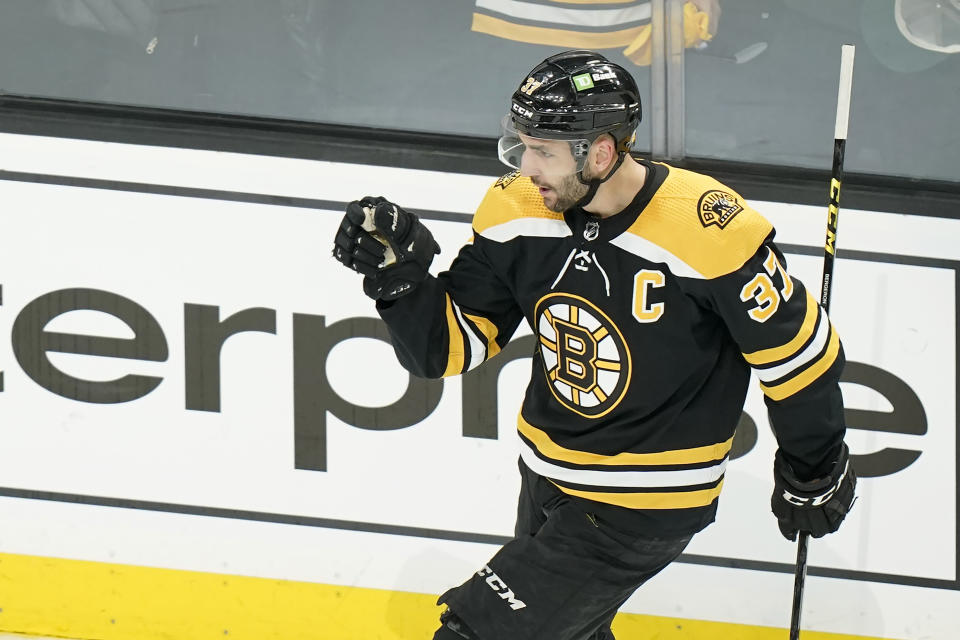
(652, 291)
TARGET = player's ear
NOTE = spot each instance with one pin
(604, 155)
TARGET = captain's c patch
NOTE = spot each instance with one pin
(718, 207)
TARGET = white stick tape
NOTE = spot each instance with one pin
(843, 96)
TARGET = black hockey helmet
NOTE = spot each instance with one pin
(576, 96)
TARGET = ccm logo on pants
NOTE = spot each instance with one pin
(501, 588)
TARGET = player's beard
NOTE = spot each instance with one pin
(563, 194)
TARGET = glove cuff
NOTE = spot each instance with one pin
(394, 282)
(813, 486)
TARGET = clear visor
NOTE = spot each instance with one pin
(540, 156)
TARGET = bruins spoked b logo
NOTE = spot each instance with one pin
(585, 358)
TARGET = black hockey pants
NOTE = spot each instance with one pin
(564, 575)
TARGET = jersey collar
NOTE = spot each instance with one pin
(588, 228)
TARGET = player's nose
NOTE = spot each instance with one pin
(528, 166)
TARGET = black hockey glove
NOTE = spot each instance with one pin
(815, 506)
(387, 244)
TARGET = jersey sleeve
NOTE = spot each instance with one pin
(794, 350)
(452, 323)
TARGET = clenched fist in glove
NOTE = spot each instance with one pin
(387, 244)
(816, 506)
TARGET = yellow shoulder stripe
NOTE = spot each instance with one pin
(661, 500)
(773, 354)
(551, 449)
(706, 225)
(808, 375)
(511, 199)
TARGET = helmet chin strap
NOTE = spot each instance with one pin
(595, 183)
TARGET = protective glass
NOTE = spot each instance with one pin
(540, 156)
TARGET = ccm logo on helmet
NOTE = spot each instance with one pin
(526, 113)
(501, 588)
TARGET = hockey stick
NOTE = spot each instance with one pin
(829, 255)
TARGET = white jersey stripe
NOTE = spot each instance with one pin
(478, 348)
(542, 227)
(812, 351)
(642, 247)
(625, 479)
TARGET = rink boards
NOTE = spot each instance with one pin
(237, 436)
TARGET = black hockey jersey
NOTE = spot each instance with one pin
(648, 323)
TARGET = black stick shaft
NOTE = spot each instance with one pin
(829, 256)
(799, 577)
